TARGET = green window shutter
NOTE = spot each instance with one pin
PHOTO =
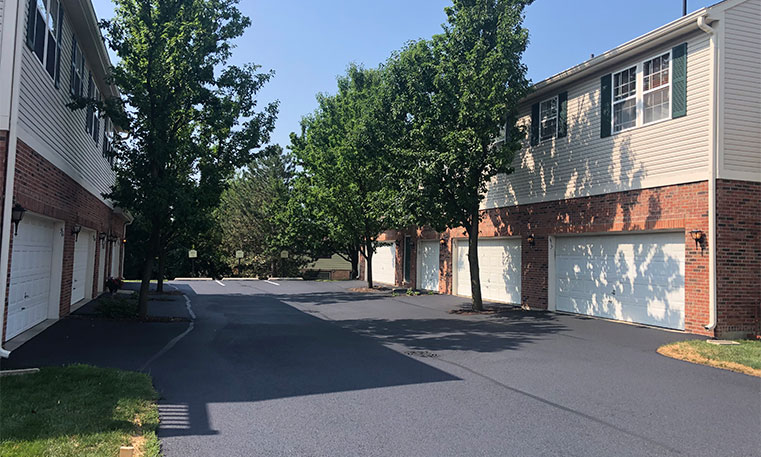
(562, 114)
(534, 124)
(30, 16)
(605, 106)
(679, 81)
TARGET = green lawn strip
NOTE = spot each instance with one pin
(744, 357)
(77, 410)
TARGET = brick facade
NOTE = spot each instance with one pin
(738, 260)
(42, 188)
(681, 207)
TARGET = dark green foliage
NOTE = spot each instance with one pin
(459, 92)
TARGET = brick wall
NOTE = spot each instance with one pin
(738, 257)
(42, 188)
(681, 207)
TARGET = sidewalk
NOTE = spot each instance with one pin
(84, 338)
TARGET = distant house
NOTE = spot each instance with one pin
(637, 196)
(334, 267)
(55, 163)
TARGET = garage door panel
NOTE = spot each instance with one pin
(428, 272)
(79, 273)
(31, 269)
(500, 269)
(384, 264)
(631, 277)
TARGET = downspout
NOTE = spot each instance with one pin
(712, 119)
(10, 174)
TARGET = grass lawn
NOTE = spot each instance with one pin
(743, 358)
(77, 410)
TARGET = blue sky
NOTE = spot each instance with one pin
(309, 43)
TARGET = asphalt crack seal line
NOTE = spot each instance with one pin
(176, 339)
(564, 408)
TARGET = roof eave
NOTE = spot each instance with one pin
(663, 34)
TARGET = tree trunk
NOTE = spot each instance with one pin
(160, 278)
(145, 284)
(369, 262)
(475, 274)
(354, 258)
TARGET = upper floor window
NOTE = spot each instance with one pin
(642, 93)
(548, 115)
(77, 69)
(625, 99)
(43, 34)
(655, 89)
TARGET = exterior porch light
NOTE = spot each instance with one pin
(531, 240)
(75, 231)
(102, 238)
(17, 213)
(112, 238)
(698, 236)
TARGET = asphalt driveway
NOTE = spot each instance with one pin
(309, 368)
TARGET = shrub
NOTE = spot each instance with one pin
(116, 307)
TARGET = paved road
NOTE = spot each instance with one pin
(307, 368)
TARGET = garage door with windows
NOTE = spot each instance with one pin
(428, 265)
(499, 262)
(632, 277)
(384, 264)
(31, 272)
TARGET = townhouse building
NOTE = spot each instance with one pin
(637, 196)
(55, 164)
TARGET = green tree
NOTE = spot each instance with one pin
(191, 118)
(346, 180)
(459, 92)
(253, 216)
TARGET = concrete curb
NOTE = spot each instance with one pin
(19, 372)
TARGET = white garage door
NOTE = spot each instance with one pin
(31, 268)
(428, 265)
(115, 260)
(79, 275)
(635, 278)
(101, 266)
(499, 262)
(384, 264)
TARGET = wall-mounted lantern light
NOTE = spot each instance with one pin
(102, 237)
(699, 237)
(17, 213)
(531, 240)
(75, 231)
(111, 238)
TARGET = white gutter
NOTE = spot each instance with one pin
(10, 168)
(712, 119)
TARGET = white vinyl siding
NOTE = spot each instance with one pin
(49, 127)
(2, 8)
(741, 94)
(670, 152)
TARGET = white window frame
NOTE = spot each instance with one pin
(541, 119)
(671, 78)
(635, 97)
(640, 93)
(57, 36)
(78, 68)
